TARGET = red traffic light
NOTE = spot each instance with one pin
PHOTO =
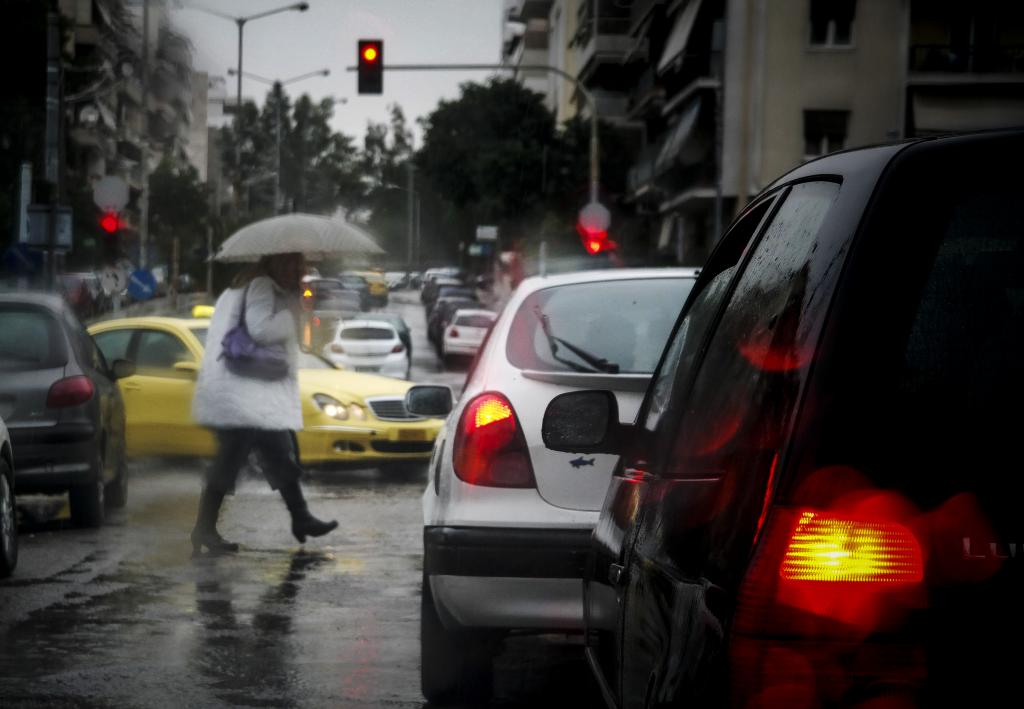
(370, 77)
(595, 241)
(109, 222)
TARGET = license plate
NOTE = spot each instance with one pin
(411, 434)
(367, 369)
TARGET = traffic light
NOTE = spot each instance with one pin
(592, 226)
(371, 66)
(110, 222)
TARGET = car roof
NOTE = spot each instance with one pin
(534, 283)
(50, 301)
(362, 322)
(150, 320)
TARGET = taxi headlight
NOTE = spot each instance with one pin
(357, 412)
(331, 406)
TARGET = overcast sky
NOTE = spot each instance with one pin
(294, 43)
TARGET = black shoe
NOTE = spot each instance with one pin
(304, 524)
(214, 543)
(205, 532)
(310, 526)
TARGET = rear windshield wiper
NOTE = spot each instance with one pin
(597, 364)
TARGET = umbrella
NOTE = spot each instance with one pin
(309, 234)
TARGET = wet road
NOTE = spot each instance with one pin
(121, 617)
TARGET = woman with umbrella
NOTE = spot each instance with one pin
(247, 390)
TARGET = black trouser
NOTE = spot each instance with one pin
(278, 455)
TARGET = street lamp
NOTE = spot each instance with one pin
(277, 116)
(414, 199)
(240, 22)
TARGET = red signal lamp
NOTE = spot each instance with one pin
(370, 54)
(110, 222)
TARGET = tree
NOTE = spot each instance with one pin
(178, 208)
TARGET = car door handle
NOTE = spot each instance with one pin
(616, 574)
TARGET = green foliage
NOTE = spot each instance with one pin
(178, 208)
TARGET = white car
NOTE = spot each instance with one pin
(507, 521)
(369, 346)
(466, 332)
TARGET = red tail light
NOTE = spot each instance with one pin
(826, 548)
(453, 333)
(337, 349)
(822, 582)
(397, 348)
(489, 445)
(70, 391)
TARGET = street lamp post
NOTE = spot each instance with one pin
(240, 23)
(413, 213)
(277, 116)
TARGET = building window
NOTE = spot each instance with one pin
(824, 132)
(832, 23)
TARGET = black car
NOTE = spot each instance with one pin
(820, 502)
(60, 401)
(432, 287)
(450, 292)
(8, 516)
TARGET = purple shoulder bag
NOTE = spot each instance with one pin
(245, 357)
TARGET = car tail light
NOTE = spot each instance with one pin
(823, 582)
(70, 391)
(337, 349)
(398, 348)
(453, 333)
(489, 446)
(829, 549)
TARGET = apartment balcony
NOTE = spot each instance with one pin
(938, 64)
(605, 46)
(523, 10)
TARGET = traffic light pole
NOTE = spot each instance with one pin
(595, 166)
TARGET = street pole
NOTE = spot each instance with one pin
(238, 120)
(144, 166)
(51, 159)
(411, 207)
(209, 261)
(277, 169)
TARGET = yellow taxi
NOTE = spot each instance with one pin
(377, 285)
(348, 417)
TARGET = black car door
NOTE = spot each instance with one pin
(706, 498)
(627, 497)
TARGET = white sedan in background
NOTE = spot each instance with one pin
(466, 332)
(508, 521)
(370, 346)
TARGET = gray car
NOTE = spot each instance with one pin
(8, 523)
(60, 401)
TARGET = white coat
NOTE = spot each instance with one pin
(224, 399)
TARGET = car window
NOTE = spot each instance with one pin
(308, 360)
(29, 339)
(674, 372)
(85, 347)
(114, 344)
(158, 351)
(200, 333)
(474, 321)
(554, 325)
(760, 352)
(366, 333)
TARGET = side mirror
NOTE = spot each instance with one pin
(122, 369)
(189, 368)
(582, 422)
(432, 401)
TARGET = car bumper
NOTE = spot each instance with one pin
(392, 366)
(507, 577)
(55, 457)
(453, 347)
(327, 444)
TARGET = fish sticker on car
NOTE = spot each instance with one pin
(581, 461)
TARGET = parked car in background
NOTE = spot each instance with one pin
(431, 287)
(813, 507)
(377, 287)
(357, 284)
(348, 418)
(396, 280)
(507, 523)
(396, 321)
(449, 293)
(62, 407)
(369, 346)
(8, 515)
(465, 333)
(326, 302)
(440, 317)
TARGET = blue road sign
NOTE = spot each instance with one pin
(141, 285)
(22, 260)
